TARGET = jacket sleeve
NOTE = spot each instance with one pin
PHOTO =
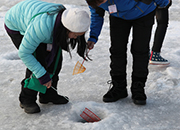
(34, 35)
(97, 21)
(162, 3)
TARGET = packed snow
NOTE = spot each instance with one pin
(85, 90)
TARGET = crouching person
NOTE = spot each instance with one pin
(40, 30)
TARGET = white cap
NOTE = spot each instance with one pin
(75, 20)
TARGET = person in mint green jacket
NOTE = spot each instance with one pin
(39, 30)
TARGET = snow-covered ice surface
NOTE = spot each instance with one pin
(162, 111)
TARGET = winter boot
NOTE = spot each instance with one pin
(137, 90)
(30, 108)
(27, 100)
(51, 95)
(156, 59)
(118, 91)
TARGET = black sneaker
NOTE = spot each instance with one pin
(118, 91)
(56, 99)
(30, 108)
(138, 94)
(156, 59)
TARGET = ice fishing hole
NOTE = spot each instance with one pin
(87, 116)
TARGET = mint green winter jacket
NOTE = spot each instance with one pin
(28, 18)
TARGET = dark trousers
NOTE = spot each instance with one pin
(141, 34)
(28, 95)
(162, 17)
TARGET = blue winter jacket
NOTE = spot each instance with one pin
(126, 9)
(29, 19)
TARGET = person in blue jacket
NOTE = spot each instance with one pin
(162, 18)
(45, 28)
(125, 15)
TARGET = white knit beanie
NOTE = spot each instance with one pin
(76, 20)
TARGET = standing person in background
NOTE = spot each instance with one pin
(125, 15)
(162, 18)
(44, 29)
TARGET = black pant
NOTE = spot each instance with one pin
(162, 17)
(27, 95)
(141, 34)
